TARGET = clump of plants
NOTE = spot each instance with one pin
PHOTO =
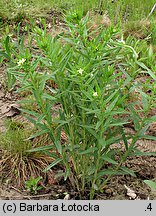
(17, 165)
(95, 75)
(32, 185)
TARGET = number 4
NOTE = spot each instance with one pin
(149, 207)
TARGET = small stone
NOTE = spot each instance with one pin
(67, 197)
(108, 191)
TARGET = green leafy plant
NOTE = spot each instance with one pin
(97, 93)
(6, 53)
(151, 184)
(14, 59)
(32, 185)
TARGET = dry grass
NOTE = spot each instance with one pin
(17, 164)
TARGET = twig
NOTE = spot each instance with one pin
(16, 189)
(28, 197)
(39, 195)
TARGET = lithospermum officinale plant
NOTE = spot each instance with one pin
(95, 77)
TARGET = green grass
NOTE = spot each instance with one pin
(118, 10)
(17, 164)
(14, 139)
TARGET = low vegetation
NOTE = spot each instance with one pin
(84, 86)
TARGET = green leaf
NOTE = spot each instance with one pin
(109, 172)
(145, 101)
(35, 63)
(151, 119)
(38, 134)
(55, 162)
(143, 130)
(49, 97)
(6, 42)
(139, 153)
(67, 172)
(51, 154)
(148, 137)
(89, 96)
(99, 123)
(119, 123)
(110, 97)
(4, 55)
(43, 82)
(128, 171)
(136, 118)
(112, 140)
(33, 113)
(125, 139)
(90, 111)
(63, 122)
(40, 118)
(91, 131)
(90, 150)
(129, 78)
(91, 169)
(58, 175)
(111, 105)
(58, 146)
(109, 160)
(42, 148)
(151, 184)
(102, 142)
(147, 69)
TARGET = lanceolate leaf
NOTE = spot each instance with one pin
(42, 148)
(111, 105)
(58, 146)
(3, 54)
(108, 159)
(139, 153)
(67, 172)
(109, 172)
(128, 171)
(148, 137)
(38, 134)
(90, 150)
(54, 163)
(151, 184)
(151, 119)
(147, 69)
(33, 113)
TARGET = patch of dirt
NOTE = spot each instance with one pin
(50, 193)
(8, 107)
(144, 167)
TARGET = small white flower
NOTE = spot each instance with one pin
(122, 40)
(108, 87)
(80, 71)
(95, 94)
(91, 75)
(21, 62)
